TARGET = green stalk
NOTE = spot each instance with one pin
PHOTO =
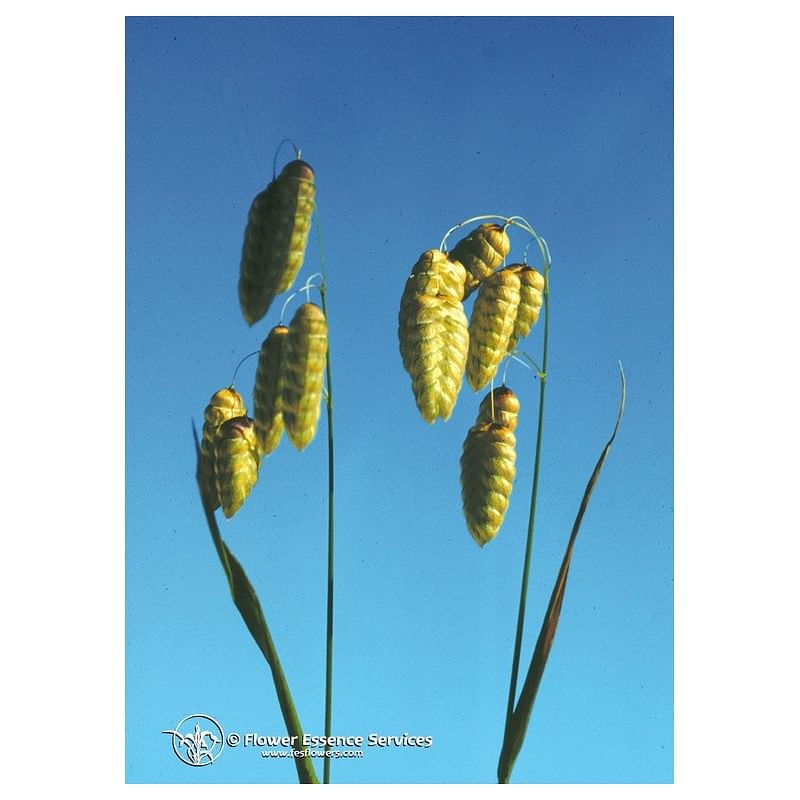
(326, 768)
(512, 689)
(517, 728)
(246, 601)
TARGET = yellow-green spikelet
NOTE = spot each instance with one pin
(275, 238)
(505, 406)
(487, 476)
(492, 325)
(481, 251)
(303, 372)
(433, 333)
(267, 413)
(236, 462)
(224, 405)
(530, 301)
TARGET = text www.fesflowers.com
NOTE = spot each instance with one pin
(312, 753)
(311, 746)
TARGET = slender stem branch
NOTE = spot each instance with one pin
(467, 222)
(275, 159)
(326, 771)
(512, 689)
(249, 355)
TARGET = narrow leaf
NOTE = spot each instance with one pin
(246, 600)
(518, 724)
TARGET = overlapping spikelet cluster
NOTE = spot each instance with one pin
(434, 344)
(488, 465)
(433, 333)
(275, 238)
(437, 348)
(289, 379)
(292, 360)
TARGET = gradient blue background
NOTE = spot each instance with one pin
(411, 125)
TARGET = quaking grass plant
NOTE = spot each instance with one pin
(436, 354)
(294, 363)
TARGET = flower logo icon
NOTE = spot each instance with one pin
(197, 740)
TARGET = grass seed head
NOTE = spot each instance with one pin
(433, 333)
(236, 461)
(530, 301)
(303, 372)
(224, 405)
(275, 238)
(481, 252)
(267, 393)
(487, 476)
(492, 326)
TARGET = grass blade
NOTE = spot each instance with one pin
(518, 724)
(246, 600)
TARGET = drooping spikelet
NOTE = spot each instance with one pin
(433, 333)
(224, 404)
(267, 393)
(492, 325)
(530, 301)
(487, 475)
(236, 462)
(302, 373)
(506, 408)
(481, 252)
(275, 238)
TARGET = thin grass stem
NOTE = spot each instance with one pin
(523, 596)
(275, 159)
(468, 221)
(518, 725)
(326, 770)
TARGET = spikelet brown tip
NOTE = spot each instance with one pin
(505, 405)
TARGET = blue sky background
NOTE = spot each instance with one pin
(411, 126)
